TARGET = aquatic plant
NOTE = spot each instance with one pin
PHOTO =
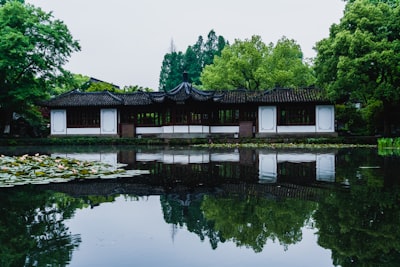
(43, 169)
(389, 146)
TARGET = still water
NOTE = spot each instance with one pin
(199, 207)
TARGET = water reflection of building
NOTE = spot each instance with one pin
(302, 166)
(107, 157)
(208, 166)
(264, 166)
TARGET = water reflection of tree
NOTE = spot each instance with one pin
(32, 229)
(361, 225)
(251, 221)
(248, 221)
(185, 210)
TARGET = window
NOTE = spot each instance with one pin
(181, 116)
(198, 117)
(149, 118)
(228, 116)
(83, 118)
(249, 115)
(296, 115)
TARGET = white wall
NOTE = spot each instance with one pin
(325, 119)
(58, 121)
(296, 129)
(186, 129)
(108, 121)
(224, 129)
(149, 130)
(267, 119)
(83, 131)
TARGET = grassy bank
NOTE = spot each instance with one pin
(79, 141)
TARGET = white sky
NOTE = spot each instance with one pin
(124, 41)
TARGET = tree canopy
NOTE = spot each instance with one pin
(193, 60)
(33, 47)
(360, 60)
(251, 64)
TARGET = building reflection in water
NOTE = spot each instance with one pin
(303, 166)
(261, 166)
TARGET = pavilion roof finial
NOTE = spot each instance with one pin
(185, 77)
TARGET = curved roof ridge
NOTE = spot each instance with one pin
(114, 96)
(185, 90)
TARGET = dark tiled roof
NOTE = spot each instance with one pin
(293, 96)
(277, 95)
(184, 92)
(238, 96)
(139, 98)
(76, 98)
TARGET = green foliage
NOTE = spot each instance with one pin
(33, 48)
(85, 83)
(360, 226)
(349, 119)
(251, 64)
(136, 88)
(71, 82)
(32, 228)
(389, 146)
(102, 86)
(2, 2)
(191, 216)
(171, 70)
(252, 221)
(195, 58)
(372, 114)
(359, 61)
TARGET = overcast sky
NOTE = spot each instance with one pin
(124, 41)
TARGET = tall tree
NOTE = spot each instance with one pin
(360, 60)
(251, 64)
(171, 70)
(2, 2)
(193, 60)
(33, 49)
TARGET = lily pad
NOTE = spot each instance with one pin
(43, 169)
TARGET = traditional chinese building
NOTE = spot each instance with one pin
(187, 112)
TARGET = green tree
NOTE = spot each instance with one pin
(171, 70)
(360, 60)
(102, 86)
(75, 81)
(195, 58)
(286, 67)
(2, 2)
(33, 49)
(251, 64)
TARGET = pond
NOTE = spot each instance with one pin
(200, 207)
